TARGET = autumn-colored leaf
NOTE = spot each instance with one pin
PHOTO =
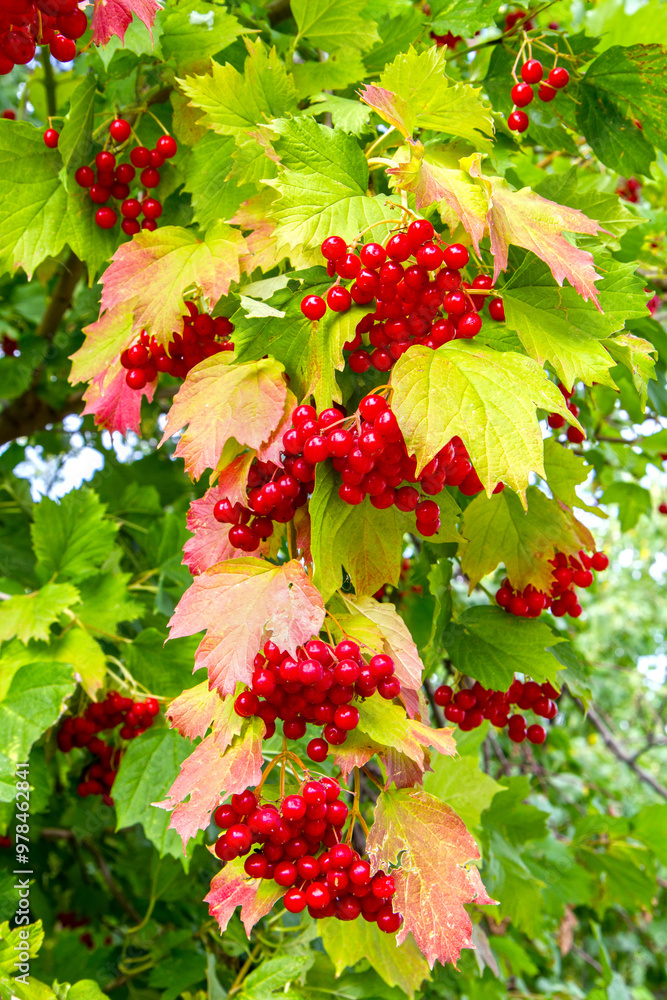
(192, 711)
(398, 643)
(210, 544)
(231, 887)
(399, 965)
(220, 400)
(105, 340)
(116, 406)
(433, 848)
(113, 17)
(241, 602)
(153, 271)
(208, 775)
(388, 726)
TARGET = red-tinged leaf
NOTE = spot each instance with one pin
(220, 400)
(116, 406)
(432, 883)
(398, 642)
(105, 340)
(525, 219)
(402, 771)
(193, 711)
(113, 17)
(272, 450)
(302, 525)
(231, 887)
(388, 726)
(208, 775)
(241, 602)
(389, 106)
(356, 751)
(152, 272)
(254, 215)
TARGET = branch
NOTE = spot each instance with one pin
(277, 11)
(619, 751)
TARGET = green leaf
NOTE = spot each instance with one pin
(564, 472)
(339, 71)
(348, 943)
(148, 769)
(32, 990)
(460, 782)
(351, 116)
(163, 670)
(632, 499)
(105, 602)
(415, 93)
(25, 938)
(462, 17)
(85, 989)
(272, 976)
(178, 970)
(75, 142)
(486, 398)
(29, 616)
(567, 189)
(396, 34)
(491, 646)
(78, 648)
(233, 102)
(322, 189)
(556, 325)
(195, 30)
(635, 354)
(32, 704)
(366, 542)
(648, 826)
(71, 537)
(334, 24)
(511, 817)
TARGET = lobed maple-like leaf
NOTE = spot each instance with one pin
(112, 402)
(432, 846)
(399, 965)
(113, 17)
(488, 398)
(388, 726)
(240, 603)
(152, 272)
(635, 354)
(415, 93)
(231, 887)
(498, 530)
(397, 640)
(193, 711)
(105, 339)
(220, 400)
(564, 472)
(208, 775)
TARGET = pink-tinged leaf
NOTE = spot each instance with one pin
(388, 726)
(303, 536)
(392, 107)
(192, 711)
(253, 215)
(113, 17)
(403, 772)
(433, 884)
(231, 887)
(356, 751)
(220, 400)
(105, 340)
(272, 450)
(208, 775)
(211, 544)
(525, 219)
(152, 272)
(116, 406)
(241, 602)
(398, 642)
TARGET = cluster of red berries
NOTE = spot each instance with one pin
(133, 717)
(522, 93)
(25, 24)
(113, 180)
(448, 41)
(371, 457)
(567, 573)
(301, 850)
(422, 302)
(317, 687)
(629, 190)
(516, 17)
(556, 421)
(273, 495)
(201, 337)
(468, 707)
(5, 842)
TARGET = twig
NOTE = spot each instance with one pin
(621, 752)
(113, 886)
(588, 959)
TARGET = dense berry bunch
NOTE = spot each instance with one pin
(416, 286)
(273, 495)
(317, 688)
(469, 706)
(567, 573)
(629, 190)
(520, 18)
(133, 718)
(532, 72)
(25, 24)
(557, 421)
(201, 337)
(448, 41)
(112, 180)
(301, 850)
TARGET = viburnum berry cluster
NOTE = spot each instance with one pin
(317, 688)
(271, 491)
(448, 41)
(532, 72)
(25, 24)
(470, 706)
(131, 718)
(301, 850)
(557, 421)
(629, 190)
(425, 301)
(202, 336)
(112, 180)
(567, 573)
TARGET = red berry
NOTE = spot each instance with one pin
(531, 71)
(61, 48)
(339, 299)
(443, 695)
(19, 48)
(150, 177)
(136, 377)
(518, 121)
(130, 208)
(536, 734)
(372, 255)
(51, 138)
(399, 247)
(546, 93)
(313, 307)
(522, 94)
(73, 25)
(106, 218)
(120, 130)
(558, 77)
(599, 561)
(334, 247)
(84, 177)
(140, 157)
(497, 310)
(469, 325)
(295, 900)
(455, 256)
(152, 209)
(166, 146)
